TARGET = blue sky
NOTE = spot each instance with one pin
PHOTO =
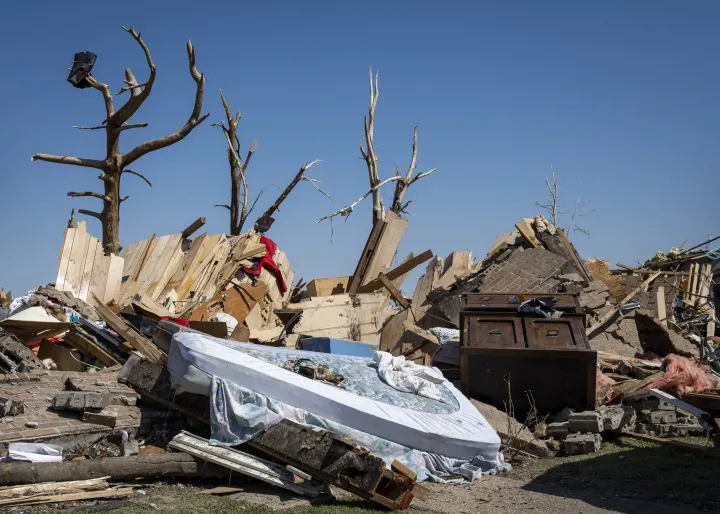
(621, 96)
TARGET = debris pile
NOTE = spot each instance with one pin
(125, 354)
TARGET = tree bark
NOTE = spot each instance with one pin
(148, 467)
(115, 162)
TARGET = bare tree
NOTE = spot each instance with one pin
(116, 163)
(402, 182)
(239, 211)
(551, 208)
(238, 207)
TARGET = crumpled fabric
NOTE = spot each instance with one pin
(266, 261)
(445, 334)
(238, 414)
(408, 377)
(540, 306)
(229, 321)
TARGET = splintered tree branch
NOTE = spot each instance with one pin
(298, 177)
(137, 175)
(219, 205)
(346, 211)
(368, 154)
(194, 120)
(107, 96)
(90, 213)
(315, 182)
(89, 193)
(137, 97)
(128, 126)
(75, 161)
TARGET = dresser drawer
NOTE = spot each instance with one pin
(564, 333)
(494, 332)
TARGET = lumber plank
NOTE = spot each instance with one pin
(368, 250)
(394, 292)
(580, 265)
(88, 265)
(71, 497)
(114, 279)
(73, 277)
(64, 260)
(386, 247)
(99, 278)
(255, 467)
(397, 272)
(661, 307)
(635, 385)
(194, 227)
(627, 298)
(73, 486)
(134, 339)
(429, 339)
(87, 346)
(528, 235)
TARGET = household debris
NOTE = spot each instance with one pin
(347, 381)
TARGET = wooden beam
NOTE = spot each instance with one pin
(576, 258)
(367, 253)
(641, 271)
(88, 346)
(58, 498)
(134, 338)
(527, 235)
(661, 307)
(394, 292)
(629, 297)
(397, 272)
(194, 227)
(249, 465)
(429, 338)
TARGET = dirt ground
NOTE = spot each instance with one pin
(626, 476)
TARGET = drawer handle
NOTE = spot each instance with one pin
(553, 333)
(495, 333)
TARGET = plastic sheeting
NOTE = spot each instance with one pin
(462, 434)
(408, 377)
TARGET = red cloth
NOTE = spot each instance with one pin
(266, 261)
(177, 321)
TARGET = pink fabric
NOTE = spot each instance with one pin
(603, 389)
(266, 261)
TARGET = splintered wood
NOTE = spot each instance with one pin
(83, 268)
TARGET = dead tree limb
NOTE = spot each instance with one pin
(552, 207)
(88, 193)
(264, 222)
(402, 182)
(238, 181)
(75, 161)
(368, 153)
(115, 163)
(138, 175)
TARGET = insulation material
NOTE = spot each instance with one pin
(603, 390)
(683, 375)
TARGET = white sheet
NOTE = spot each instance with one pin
(463, 434)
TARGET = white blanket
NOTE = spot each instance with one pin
(408, 377)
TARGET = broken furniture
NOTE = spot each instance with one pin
(540, 362)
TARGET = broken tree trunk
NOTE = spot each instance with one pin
(116, 163)
(148, 467)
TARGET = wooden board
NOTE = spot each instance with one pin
(402, 270)
(89, 347)
(579, 264)
(327, 286)
(127, 332)
(64, 259)
(394, 292)
(661, 308)
(425, 284)
(73, 277)
(382, 258)
(99, 279)
(528, 235)
(90, 255)
(367, 253)
(114, 279)
(460, 260)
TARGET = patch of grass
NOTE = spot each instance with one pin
(634, 468)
